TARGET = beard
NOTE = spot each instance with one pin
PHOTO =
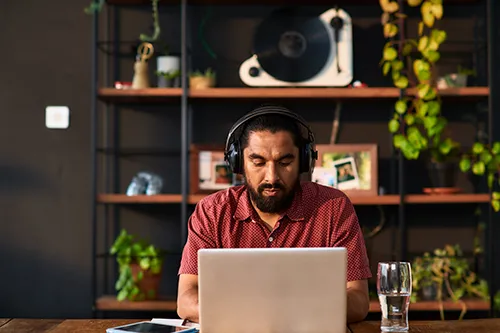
(273, 204)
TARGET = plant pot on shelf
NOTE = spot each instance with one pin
(201, 82)
(149, 284)
(168, 63)
(165, 82)
(443, 177)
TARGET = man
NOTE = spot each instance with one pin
(274, 208)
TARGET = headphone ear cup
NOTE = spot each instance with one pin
(234, 158)
(304, 159)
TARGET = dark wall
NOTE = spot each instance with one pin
(45, 191)
(45, 232)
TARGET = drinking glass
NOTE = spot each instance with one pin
(394, 290)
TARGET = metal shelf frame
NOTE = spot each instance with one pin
(397, 186)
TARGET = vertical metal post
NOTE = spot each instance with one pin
(401, 174)
(493, 231)
(184, 123)
(93, 159)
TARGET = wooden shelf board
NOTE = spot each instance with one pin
(358, 200)
(449, 198)
(164, 94)
(110, 303)
(268, 2)
(139, 95)
(472, 305)
(139, 199)
(327, 93)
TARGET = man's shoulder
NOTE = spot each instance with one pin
(322, 192)
(223, 198)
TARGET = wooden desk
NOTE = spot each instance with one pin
(100, 325)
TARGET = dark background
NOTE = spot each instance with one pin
(45, 230)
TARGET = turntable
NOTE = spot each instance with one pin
(292, 48)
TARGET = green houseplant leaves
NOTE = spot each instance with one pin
(130, 252)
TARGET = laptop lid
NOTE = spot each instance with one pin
(272, 290)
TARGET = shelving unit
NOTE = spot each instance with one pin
(183, 97)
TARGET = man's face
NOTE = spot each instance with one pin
(271, 170)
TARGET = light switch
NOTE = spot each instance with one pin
(57, 117)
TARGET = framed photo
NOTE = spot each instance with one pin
(208, 170)
(351, 168)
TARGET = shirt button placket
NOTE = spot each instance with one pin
(270, 241)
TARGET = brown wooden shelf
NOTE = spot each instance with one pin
(449, 198)
(472, 305)
(358, 200)
(139, 199)
(267, 2)
(110, 303)
(327, 93)
(139, 95)
(152, 95)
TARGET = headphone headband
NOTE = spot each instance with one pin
(268, 110)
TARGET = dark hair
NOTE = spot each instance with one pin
(272, 123)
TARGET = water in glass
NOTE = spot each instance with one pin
(394, 291)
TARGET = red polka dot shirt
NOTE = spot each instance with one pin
(319, 216)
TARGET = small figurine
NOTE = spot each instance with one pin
(141, 74)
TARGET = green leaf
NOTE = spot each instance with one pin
(390, 30)
(439, 36)
(401, 107)
(401, 82)
(423, 89)
(427, 15)
(495, 195)
(414, 3)
(477, 148)
(478, 168)
(432, 56)
(390, 53)
(386, 68)
(422, 43)
(486, 156)
(409, 119)
(420, 28)
(430, 122)
(465, 164)
(496, 205)
(407, 49)
(495, 148)
(397, 65)
(424, 76)
(396, 75)
(434, 108)
(393, 126)
(398, 140)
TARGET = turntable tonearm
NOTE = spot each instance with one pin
(292, 48)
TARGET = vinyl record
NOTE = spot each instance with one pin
(292, 45)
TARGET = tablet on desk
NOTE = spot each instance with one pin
(150, 327)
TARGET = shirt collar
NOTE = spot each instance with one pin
(245, 209)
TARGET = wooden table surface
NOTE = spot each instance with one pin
(100, 325)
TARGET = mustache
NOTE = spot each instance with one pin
(274, 186)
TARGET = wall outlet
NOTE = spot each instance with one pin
(57, 117)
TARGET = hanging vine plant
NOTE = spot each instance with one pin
(96, 6)
(417, 123)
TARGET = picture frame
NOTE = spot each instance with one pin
(209, 172)
(351, 168)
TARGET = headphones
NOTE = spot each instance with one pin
(233, 153)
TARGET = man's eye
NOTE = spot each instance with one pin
(258, 163)
(285, 163)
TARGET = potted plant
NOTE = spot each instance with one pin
(168, 79)
(445, 275)
(456, 80)
(199, 80)
(140, 267)
(417, 124)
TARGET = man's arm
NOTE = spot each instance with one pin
(358, 301)
(187, 299)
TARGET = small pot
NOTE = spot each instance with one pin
(150, 282)
(442, 174)
(201, 82)
(163, 82)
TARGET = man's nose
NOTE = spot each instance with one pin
(271, 173)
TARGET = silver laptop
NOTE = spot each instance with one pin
(282, 290)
